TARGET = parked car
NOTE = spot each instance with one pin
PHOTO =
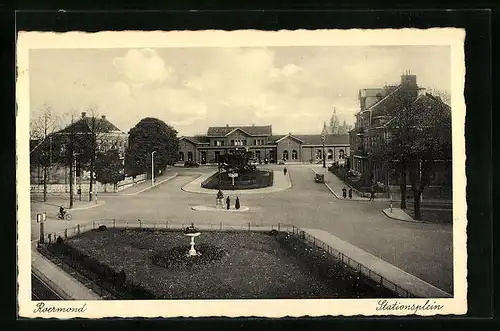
(319, 178)
(191, 164)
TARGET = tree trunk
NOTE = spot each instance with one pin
(71, 182)
(402, 186)
(44, 183)
(417, 193)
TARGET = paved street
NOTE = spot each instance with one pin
(424, 250)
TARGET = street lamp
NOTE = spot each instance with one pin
(152, 168)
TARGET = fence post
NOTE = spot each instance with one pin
(279, 227)
(221, 226)
(126, 224)
(50, 237)
(114, 223)
(65, 233)
(93, 225)
(140, 224)
(78, 228)
(249, 226)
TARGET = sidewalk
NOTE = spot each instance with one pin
(280, 183)
(335, 185)
(400, 215)
(401, 278)
(146, 185)
(59, 280)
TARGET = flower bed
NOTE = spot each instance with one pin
(362, 184)
(252, 265)
(248, 180)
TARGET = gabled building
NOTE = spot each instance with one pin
(375, 120)
(261, 142)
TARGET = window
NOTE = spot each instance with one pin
(330, 154)
(257, 155)
(219, 143)
(341, 154)
(190, 156)
(217, 155)
(294, 155)
(181, 156)
(319, 154)
(285, 155)
(238, 142)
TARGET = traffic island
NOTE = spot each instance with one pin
(212, 208)
(399, 214)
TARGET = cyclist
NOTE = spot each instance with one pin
(62, 212)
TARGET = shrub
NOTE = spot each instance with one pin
(102, 228)
(59, 240)
(273, 232)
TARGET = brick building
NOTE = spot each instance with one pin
(261, 142)
(373, 127)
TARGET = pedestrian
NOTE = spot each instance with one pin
(284, 171)
(372, 194)
(344, 192)
(237, 204)
(350, 192)
(218, 200)
(228, 203)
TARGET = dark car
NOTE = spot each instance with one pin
(191, 164)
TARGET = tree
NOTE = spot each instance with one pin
(419, 134)
(151, 134)
(442, 94)
(42, 126)
(238, 161)
(108, 168)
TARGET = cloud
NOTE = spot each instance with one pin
(142, 67)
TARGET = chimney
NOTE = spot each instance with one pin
(84, 114)
(227, 125)
(103, 117)
(408, 79)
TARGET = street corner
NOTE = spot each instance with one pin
(220, 209)
(399, 215)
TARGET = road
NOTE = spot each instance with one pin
(424, 250)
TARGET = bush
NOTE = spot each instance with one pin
(102, 228)
(59, 240)
(190, 164)
(273, 232)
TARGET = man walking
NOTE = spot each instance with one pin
(350, 192)
(218, 200)
(228, 203)
(372, 194)
(284, 171)
(344, 192)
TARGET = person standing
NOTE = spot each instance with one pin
(285, 171)
(228, 203)
(350, 192)
(372, 194)
(219, 198)
(237, 204)
(344, 192)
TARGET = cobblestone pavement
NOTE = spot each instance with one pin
(424, 250)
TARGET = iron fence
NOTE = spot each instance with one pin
(352, 265)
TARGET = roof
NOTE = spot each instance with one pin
(253, 130)
(316, 139)
(85, 124)
(197, 140)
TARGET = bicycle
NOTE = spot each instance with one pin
(67, 216)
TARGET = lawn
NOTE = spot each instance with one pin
(433, 216)
(254, 266)
(249, 180)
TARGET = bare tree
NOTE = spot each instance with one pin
(42, 126)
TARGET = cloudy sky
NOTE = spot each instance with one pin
(292, 88)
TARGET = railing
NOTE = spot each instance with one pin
(51, 237)
(351, 264)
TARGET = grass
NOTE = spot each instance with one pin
(433, 216)
(250, 180)
(254, 266)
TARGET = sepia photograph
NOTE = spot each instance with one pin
(241, 173)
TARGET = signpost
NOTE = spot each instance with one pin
(40, 218)
(233, 176)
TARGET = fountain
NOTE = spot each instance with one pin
(192, 232)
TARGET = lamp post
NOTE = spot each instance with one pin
(152, 168)
(323, 137)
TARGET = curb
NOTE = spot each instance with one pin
(242, 192)
(99, 203)
(242, 209)
(389, 215)
(150, 187)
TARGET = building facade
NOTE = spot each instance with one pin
(373, 127)
(264, 146)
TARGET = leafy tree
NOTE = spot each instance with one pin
(238, 161)
(419, 133)
(109, 168)
(151, 134)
